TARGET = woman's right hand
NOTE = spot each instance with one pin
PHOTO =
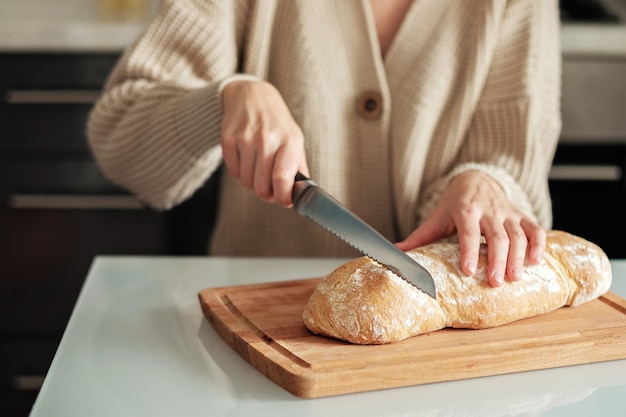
(261, 143)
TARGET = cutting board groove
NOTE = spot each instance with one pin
(263, 324)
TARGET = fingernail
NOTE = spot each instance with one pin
(517, 274)
(497, 277)
(471, 267)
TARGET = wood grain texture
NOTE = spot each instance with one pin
(263, 323)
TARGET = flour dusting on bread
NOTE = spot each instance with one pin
(363, 302)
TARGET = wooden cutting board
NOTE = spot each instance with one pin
(263, 323)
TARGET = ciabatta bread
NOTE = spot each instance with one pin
(362, 302)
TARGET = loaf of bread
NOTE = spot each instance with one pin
(362, 302)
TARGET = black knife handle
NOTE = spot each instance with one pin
(301, 177)
(302, 183)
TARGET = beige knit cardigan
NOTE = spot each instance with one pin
(465, 85)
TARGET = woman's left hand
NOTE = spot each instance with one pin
(474, 205)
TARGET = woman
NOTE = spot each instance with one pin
(428, 119)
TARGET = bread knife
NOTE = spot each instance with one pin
(312, 202)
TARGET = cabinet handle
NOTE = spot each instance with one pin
(74, 202)
(27, 382)
(585, 173)
(52, 96)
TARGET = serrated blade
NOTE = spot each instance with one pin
(314, 203)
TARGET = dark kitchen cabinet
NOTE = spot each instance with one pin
(57, 211)
(589, 193)
(587, 180)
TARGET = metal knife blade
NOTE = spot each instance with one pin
(314, 203)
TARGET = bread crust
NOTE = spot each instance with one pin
(362, 302)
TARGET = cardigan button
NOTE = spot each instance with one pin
(369, 105)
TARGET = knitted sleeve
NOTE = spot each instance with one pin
(156, 129)
(516, 125)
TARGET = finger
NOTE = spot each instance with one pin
(230, 154)
(424, 234)
(263, 177)
(286, 165)
(517, 250)
(247, 164)
(264, 166)
(467, 220)
(469, 245)
(497, 252)
(536, 240)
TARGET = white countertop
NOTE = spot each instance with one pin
(88, 25)
(137, 344)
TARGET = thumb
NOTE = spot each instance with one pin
(423, 235)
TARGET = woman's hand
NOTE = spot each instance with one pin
(474, 205)
(261, 143)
